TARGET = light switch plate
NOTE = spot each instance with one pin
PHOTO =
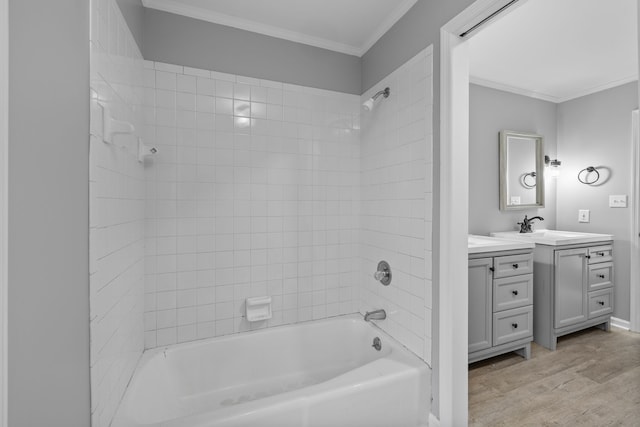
(583, 215)
(619, 201)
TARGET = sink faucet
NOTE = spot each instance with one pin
(379, 314)
(525, 225)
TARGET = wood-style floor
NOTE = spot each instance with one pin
(592, 379)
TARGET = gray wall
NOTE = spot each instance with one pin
(595, 130)
(133, 13)
(491, 111)
(48, 337)
(180, 40)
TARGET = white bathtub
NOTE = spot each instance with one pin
(320, 374)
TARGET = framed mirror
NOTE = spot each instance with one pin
(521, 171)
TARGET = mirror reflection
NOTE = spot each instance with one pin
(521, 170)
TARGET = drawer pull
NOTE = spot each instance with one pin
(587, 256)
(601, 302)
(600, 253)
(514, 325)
(515, 292)
(515, 266)
(492, 269)
(601, 276)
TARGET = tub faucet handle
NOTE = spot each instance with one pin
(379, 275)
(383, 274)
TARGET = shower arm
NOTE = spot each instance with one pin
(384, 92)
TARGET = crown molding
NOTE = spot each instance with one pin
(513, 89)
(386, 25)
(176, 7)
(550, 98)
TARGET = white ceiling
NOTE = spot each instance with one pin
(347, 26)
(558, 50)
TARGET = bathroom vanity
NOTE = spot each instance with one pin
(573, 282)
(500, 297)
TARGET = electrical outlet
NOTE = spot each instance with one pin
(583, 215)
(619, 201)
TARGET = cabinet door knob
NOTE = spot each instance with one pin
(588, 256)
(515, 265)
(514, 325)
(492, 269)
(515, 292)
(601, 302)
(601, 276)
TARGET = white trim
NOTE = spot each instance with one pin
(386, 25)
(546, 97)
(634, 238)
(203, 14)
(454, 219)
(512, 89)
(454, 212)
(620, 323)
(4, 175)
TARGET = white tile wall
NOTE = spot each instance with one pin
(117, 194)
(254, 191)
(258, 188)
(396, 178)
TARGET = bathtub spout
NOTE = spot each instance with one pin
(379, 314)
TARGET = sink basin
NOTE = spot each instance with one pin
(481, 244)
(554, 237)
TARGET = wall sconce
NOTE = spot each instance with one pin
(554, 164)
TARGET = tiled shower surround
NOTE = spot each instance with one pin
(254, 191)
(257, 188)
(117, 213)
(396, 193)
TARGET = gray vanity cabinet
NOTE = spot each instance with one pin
(573, 290)
(480, 304)
(500, 304)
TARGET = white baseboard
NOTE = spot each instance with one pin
(620, 323)
(433, 420)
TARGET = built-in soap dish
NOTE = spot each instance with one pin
(258, 308)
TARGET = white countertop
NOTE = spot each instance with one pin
(554, 237)
(482, 244)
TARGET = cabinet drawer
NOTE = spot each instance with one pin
(600, 254)
(512, 265)
(512, 292)
(600, 302)
(512, 325)
(600, 275)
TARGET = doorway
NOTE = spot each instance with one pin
(454, 158)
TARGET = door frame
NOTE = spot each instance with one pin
(452, 315)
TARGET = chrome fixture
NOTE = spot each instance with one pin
(377, 344)
(379, 314)
(554, 164)
(528, 183)
(525, 225)
(369, 103)
(383, 275)
(583, 175)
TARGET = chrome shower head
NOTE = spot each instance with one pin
(370, 103)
